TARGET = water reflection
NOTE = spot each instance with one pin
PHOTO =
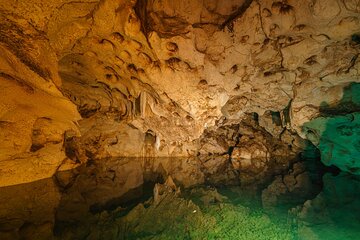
(71, 198)
(27, 211)
(89, 202)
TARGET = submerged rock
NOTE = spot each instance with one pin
(333, 214)
(176, 217)
(161, 190)
(291, 189)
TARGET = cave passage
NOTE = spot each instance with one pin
(179, 119)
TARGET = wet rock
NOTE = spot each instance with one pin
(207, 214)
(337, 139)
(291, 189)
(247, 150)
(218, 170)
(65, 175)
(258, 156)
(271, 193)
(210, 196)
(174, 79)
(161, 190)
(336, 206)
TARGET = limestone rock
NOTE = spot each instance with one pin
(33, 112)
(161, 190)
(196, 91)
(249, 149)
(337, 139)
(336, 206)
(293, 188)
(258, 156)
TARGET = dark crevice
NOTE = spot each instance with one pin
(141, 12)
(17, 41)
(229, 22)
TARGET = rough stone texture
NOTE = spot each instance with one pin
(33, 112)
(148, 78)
(333, 214)
(338, 140)
(336, 133)
(107, 183)
(227, 91)
(205, 214)
(291, 189)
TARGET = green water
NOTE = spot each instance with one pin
(38, 209)
(238, 215)
(200, 216)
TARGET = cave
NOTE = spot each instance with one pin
(179, 119)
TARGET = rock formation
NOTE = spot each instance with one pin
(236, 92)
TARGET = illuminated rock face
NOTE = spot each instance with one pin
(336, 133)
(338, 140)
(93, 79)
(34, 114)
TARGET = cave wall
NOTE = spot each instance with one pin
(91, 79)
(34, 114)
